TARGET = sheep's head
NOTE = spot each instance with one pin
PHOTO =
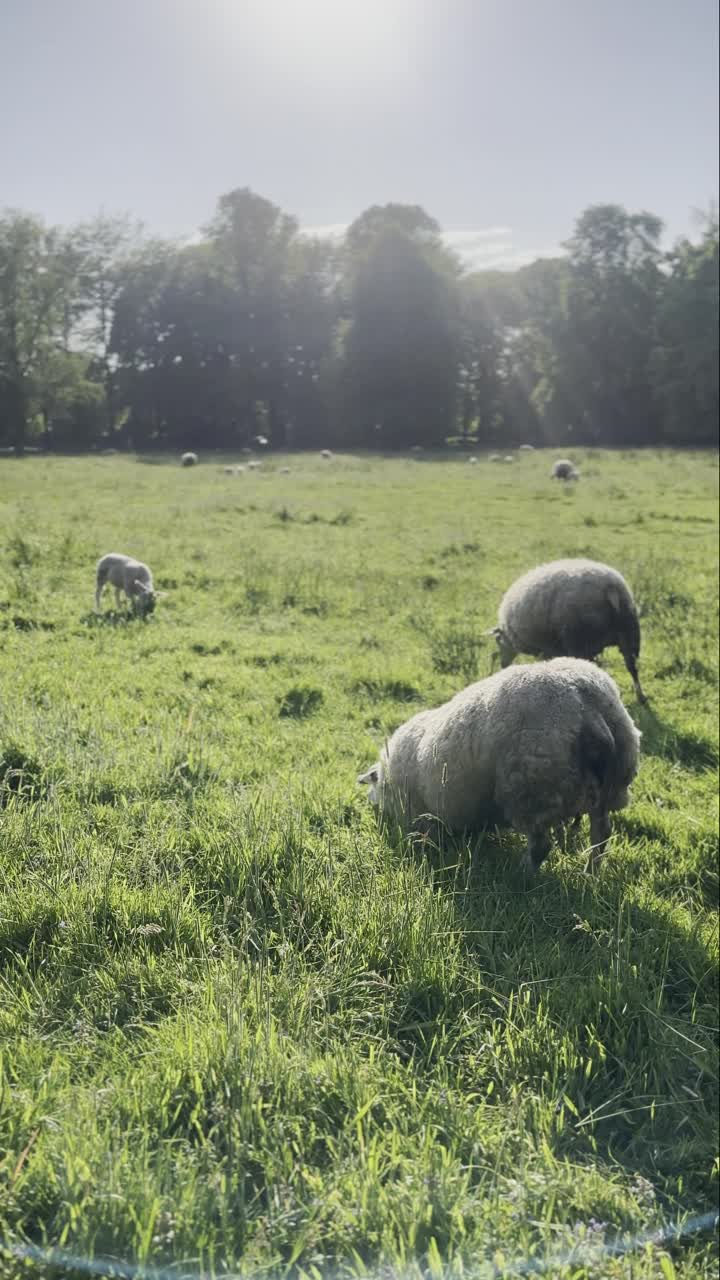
(373, 780)
(146, 598)
(505, 651)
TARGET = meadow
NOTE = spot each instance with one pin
(243, 1031)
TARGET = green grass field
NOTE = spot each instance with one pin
(239, 1030)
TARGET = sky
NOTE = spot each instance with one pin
(504, 119)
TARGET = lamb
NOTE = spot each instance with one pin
(189, 460)
(564, 469)
(535, 747)
(128, 575)
(570, 608)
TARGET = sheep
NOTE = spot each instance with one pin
(564, 469)
(128, 575)
(229, 471)
(283, 471)
(239, 470)
(189, 460)
(495, 457)
(570, 608)
(326, 453)
(527, 448)
(472, 461)
(535, 747)
(508, 458)
(254, 464)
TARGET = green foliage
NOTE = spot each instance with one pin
(243, 1031)
(255, 329)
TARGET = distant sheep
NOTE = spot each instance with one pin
(495, 457)
(129, 576)
(326, 453)
(254, 464)
(573, 608)
(283, 471)
(229, 471)
(534, 746)
(472, 461)
(508, 458)
(527, 448)
(189, 460)
(564, 469)
(239, 470)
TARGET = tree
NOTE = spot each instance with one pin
(686, 356)
(402, 345)
(34, 283)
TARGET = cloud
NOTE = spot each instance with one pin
(479, 249)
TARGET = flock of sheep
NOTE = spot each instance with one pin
(536, 746)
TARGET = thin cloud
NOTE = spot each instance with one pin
(479, 249)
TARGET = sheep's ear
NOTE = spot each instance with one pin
(372, 775)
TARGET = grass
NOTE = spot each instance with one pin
(241, 1031)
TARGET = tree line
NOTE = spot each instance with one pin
(382, 341)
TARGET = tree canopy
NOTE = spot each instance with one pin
(381, 341)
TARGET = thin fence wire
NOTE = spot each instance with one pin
(578, 1256)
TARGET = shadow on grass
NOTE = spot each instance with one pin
(112, 618)
(659, 738)
(603, 997)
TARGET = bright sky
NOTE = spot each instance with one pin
(503, 118)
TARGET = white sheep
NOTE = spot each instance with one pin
(564, 469)
(572, 608)
(239, 470)
(128, 575)
(326, 454)
(189, 460)
(535, 747)
(527, 448)
(472, 461)
(508, 458)
(495, 457)
(254, 464)
(283, 471)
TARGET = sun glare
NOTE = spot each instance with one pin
(328, 42)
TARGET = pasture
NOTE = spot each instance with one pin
(240, 1030)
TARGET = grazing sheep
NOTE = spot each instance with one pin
(495, 457)
(472, 461)
(326, 453)
(564, 469)
(508, 458)
(239, 470)
(572, 608)
(128, 575)
(189, 460)
(283, 471)
(229, 471)
(254, 464)
(534, 746)
(527, 448)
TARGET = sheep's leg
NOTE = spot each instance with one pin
(631, 664)
(98, 592)
(600, 830)
(118, 597)
(538, 847)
